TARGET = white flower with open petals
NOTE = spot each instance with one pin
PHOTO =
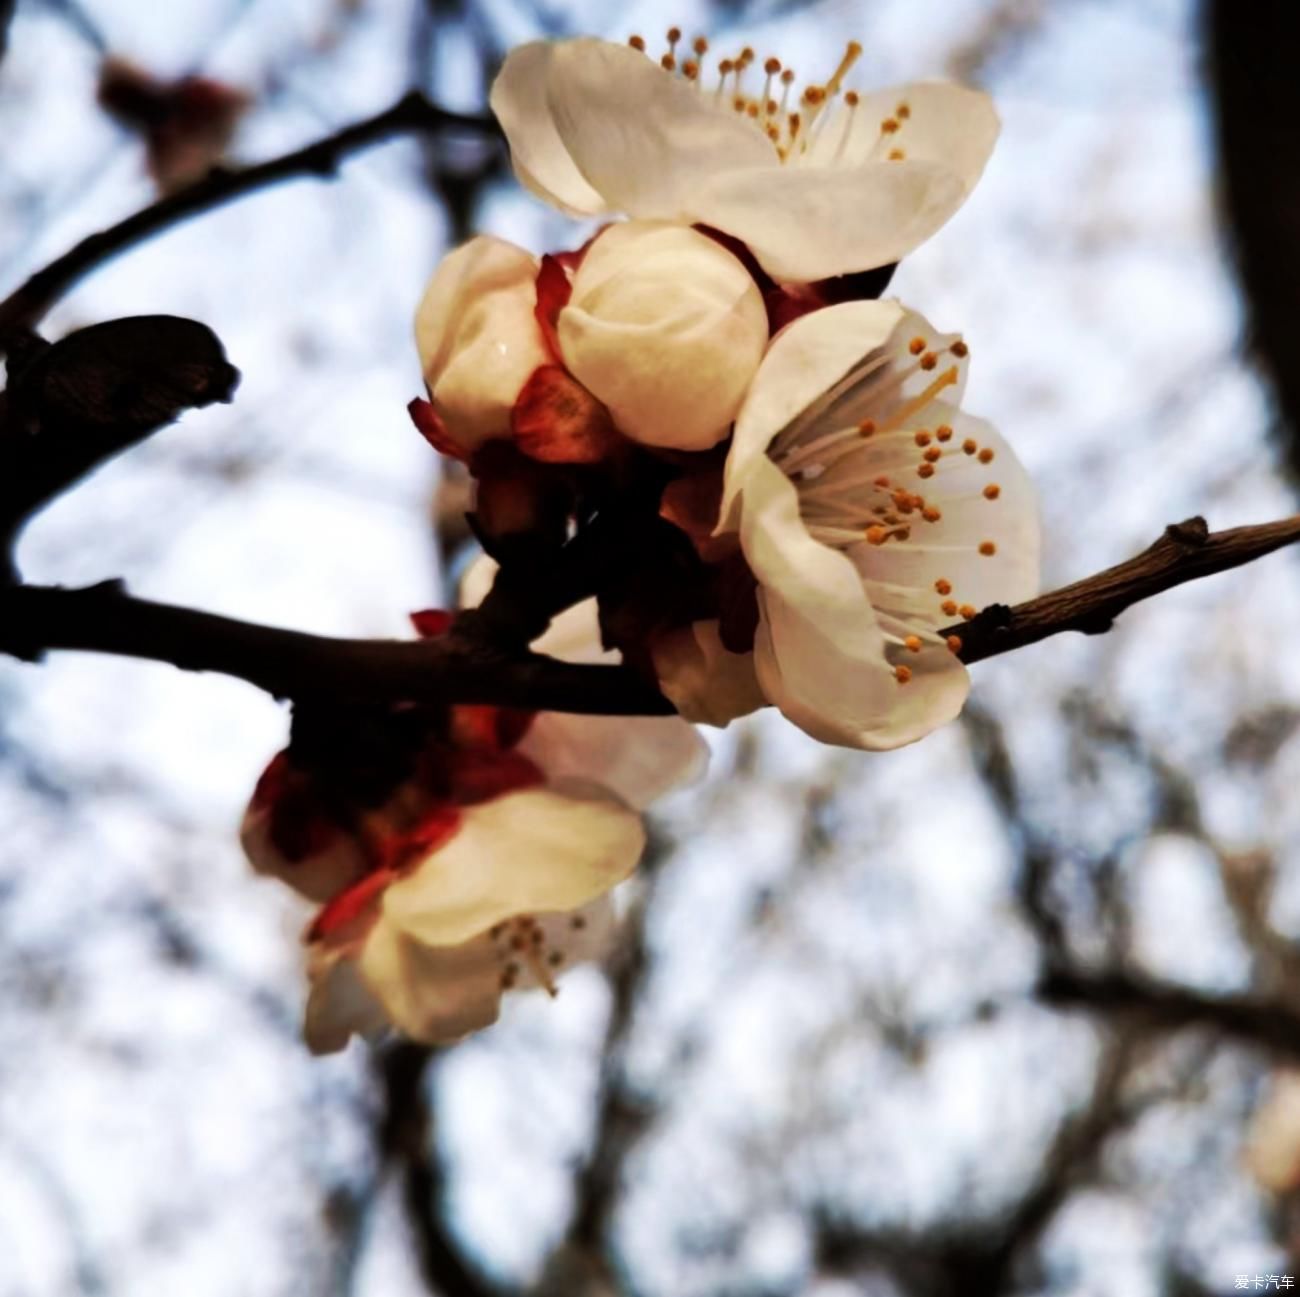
(509, 894)
(486, 869)
(873, 513)
(826, 183)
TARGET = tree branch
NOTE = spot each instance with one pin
(1172, 1008)
(1186, 552)
(457, 667)
(464, 666)
(412, 114)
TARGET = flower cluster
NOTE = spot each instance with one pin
(724, 347)
(456, 853)
(793, 507)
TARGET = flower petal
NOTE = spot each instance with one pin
(542, 849)
(806, 223)
(645, 141)
(432, 994)
(478, 337)
(945, 123)
(704, 681)
(954, 549)
(806, 359)
(638, 760)
(339, 1004)
(541, 160)
(666, 327)
(820, 652)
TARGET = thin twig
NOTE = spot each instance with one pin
(1186, 552)
(467, 668)
(413, 113)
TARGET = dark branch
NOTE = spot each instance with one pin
(1186, 552)
(1172, 1008)
(463, 667)
(412, 114)
(457, 667)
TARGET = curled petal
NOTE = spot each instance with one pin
(541, 160)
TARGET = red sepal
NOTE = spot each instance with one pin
(478, 775)
(482, 725)
(557, 421)
(429, 424)
(554, 288)
(351, 903)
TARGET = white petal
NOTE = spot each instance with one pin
(807, 223)
(339, 1003)
(842, 699)
(478, 336)
(667, 328)
(432, 994)
(639, 759)
(804, 360)
(541, 849)
(702, 679)
(820, 653)
(540, 158)
(947, 124)
(949, 549)
(644, 140)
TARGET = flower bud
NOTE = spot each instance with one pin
(666, 328)
(478, 337)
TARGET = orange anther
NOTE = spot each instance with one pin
(967, 611)
(959, 349)
(637, 43)
(902, 674)
(916, 346)
(925, 470)
(933, 454)
(943, 586)
(954, 643)
(948, 608)
(970, 445)
(992, 491)
(986, 456)
(912, 643)
(888, 126)
(988, 548)
(943, 432)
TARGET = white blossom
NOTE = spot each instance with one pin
(824, 184)
(873, 513)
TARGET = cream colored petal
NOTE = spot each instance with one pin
(805, 360)
(951, 125)
(702, 679)
(807, 223)
(542, 849)
(478, 336)
(541, 160)
(433, 994)
(644, 140)
(667, 328)
(638, 758)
